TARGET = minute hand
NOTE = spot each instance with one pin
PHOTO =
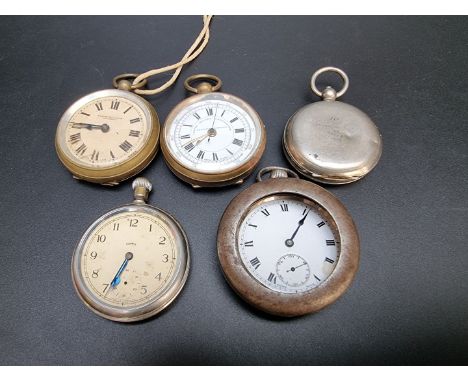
(290, 242)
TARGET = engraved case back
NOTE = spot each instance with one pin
(332, 142)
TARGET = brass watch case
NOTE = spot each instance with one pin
(213, 179)
(111, 175)
(258, 295)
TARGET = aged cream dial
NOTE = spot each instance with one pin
(107, 136)
(131, 262)
(138, 248)
(106, 131)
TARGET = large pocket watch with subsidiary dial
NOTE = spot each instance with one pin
(109, 135)
(132, 262)
(331, 141)
(287, 246)
(212, 138)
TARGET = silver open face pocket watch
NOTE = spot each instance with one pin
(212, 138)
(331, 141)
(287, 246)
(132, 262)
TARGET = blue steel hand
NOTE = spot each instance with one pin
(116, 280)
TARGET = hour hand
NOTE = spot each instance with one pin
(104, 127)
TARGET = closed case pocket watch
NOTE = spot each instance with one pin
(109, 135)
(287, 246)
(331, 141)
(212, 138)
(132, 262)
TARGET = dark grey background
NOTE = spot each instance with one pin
(409, 301)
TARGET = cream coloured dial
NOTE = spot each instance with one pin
(213, 136)
(105, 131)
(129, 259)
(287, 245)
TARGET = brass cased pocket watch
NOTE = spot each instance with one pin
(132, 262)
(109, 135)
(287, 246)
(212, 138)
(331, 141)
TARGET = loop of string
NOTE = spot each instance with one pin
(193, 52)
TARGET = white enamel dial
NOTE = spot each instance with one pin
(287, 244)
(213, 135)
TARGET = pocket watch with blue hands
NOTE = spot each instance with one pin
(132, 262)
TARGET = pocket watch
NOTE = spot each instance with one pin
(109, 135)
(287, 246)
(331, 141)
(212, 138)
(132, 262)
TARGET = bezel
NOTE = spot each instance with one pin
(110, 175)
(158, 302)
(198, 178)
(258, 295)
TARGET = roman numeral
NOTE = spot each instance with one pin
(284, 207)
(239, 130)
(134, 133)
(127, 109)
(255, 262)
(249, 243)
(328, 260)
(223, 113)
(111, 154)
(316, 278)
(115, 105)
(237, 142)
(209, 111)
(95, 155)
(189, 147)
(229, 151)
(74, 138)
(321, 224)
(253, 225)
(186, 136)
(196, 116)
(135, 120)
(85, 114)
(330, 242)
(126, 145)
(81, 150)
(233, 120)
(265, 212)
(272, 278)
(201, 154)
(215, 157)
(98, 106)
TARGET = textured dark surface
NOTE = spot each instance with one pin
(409, 301)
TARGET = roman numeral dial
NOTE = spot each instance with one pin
(106, 132)
(287, 245)
(212, 135)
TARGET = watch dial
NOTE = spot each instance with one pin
(287, 243)
(128, 259)
(105, 131)
(214, 135)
